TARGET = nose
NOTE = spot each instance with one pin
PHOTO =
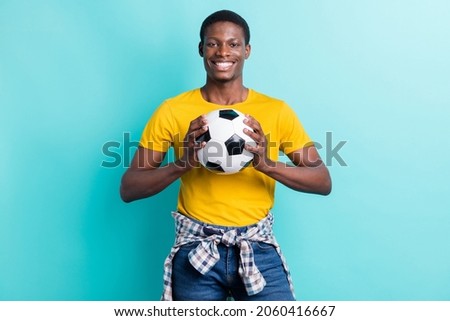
(222, 50)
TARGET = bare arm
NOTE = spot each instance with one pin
(146, 177)
(307, 174)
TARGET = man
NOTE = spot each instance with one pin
(224, 242)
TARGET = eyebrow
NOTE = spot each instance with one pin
(230, 39)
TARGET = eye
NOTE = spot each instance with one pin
(211, 44)
(234, 44)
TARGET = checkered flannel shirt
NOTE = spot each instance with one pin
(206, 254)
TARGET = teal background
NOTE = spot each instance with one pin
(75, 75)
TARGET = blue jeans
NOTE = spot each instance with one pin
(223, 280)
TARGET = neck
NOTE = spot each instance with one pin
(224, 93)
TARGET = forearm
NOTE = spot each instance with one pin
(314, 180)
(138, 183)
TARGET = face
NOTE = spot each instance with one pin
(224, 51)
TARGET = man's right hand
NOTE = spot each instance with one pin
(189, 158)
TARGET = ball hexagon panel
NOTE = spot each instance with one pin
(221, 129)
(213, 152)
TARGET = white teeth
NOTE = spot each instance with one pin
(223, 64)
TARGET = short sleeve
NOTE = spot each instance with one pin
(293, 136)
(157, 134)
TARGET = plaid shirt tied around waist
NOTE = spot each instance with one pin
(206, 254)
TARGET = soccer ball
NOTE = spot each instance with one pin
(225, 139)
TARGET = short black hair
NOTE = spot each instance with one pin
(225, 16)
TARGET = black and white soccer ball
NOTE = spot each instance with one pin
(224, 152)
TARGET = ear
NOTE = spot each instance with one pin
(200, 49)
(248, 50)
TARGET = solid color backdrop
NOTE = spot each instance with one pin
(368, 79)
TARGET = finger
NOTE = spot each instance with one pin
(256, 147)
(253, 135)
(256, 133)
(200, 135)
(198, 123)
(197, 128)
(252, 148)
(203, 121)
(252, 123)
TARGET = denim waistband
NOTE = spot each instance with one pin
(211, 229)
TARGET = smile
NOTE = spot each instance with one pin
(223, 65)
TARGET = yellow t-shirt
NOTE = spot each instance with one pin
(229, 200)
